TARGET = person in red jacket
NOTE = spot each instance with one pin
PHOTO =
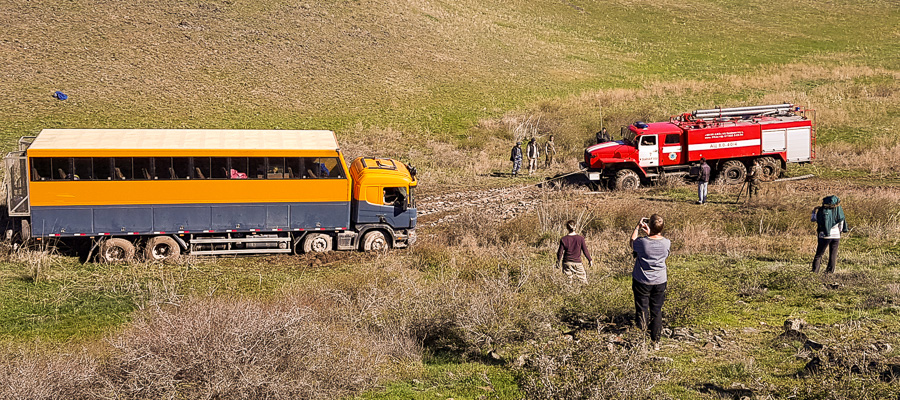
(568, 256)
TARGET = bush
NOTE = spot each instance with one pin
(691, 297)
(587, 369)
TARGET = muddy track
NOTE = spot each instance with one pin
(497, 204)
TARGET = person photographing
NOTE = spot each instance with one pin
(649, 276)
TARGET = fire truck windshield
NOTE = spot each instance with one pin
(627, 135)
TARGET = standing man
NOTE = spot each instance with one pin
(568, 256)
(649, 276)
(516, 158)
(830, 223)
(602, 136)
(702, 181)
(753, 178)
(533, 154)
(549, 151)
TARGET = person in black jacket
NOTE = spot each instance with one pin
(703, 181)
(516, 158)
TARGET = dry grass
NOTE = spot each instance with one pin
(222, 348)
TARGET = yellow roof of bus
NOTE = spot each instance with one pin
(183, 139)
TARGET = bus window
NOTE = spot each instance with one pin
(40, 169)
(218, 168)
(142, 168)
(292, 168)
(238, 168)
(257, 168)
(102, 170)
(122, 168)
(275, 169)
(163, 168)
(61, 168)
(84, 169)
(182, 167)
(201, 168)
(330, 167)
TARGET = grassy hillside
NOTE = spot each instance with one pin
(475, 309)
(430, 67)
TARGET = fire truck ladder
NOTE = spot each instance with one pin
(744, 112)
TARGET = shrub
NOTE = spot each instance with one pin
(587, 369)
(691, 297)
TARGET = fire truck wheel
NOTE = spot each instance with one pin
(627, 179)
(771, 168)
(116, 250)
(732, 172)
(316, 243)
(374, 241)
(161, 248)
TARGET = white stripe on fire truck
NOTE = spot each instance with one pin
(724, 145)
(602, 145)
(671, 149)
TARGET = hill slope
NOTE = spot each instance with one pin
(420, 64)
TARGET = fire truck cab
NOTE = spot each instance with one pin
(731, 140)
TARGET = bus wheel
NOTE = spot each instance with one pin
(316, 243)
(116, 250)
(161, 248)
(374, 241)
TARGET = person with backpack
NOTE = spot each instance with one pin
(830, 223)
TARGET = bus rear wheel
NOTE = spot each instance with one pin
(116, 250)
(374, 241)
(316, 243)
(162, 248)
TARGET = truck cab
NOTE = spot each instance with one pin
(383, 204)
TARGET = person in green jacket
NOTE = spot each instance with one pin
(830, 223)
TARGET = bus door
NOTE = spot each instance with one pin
(648, 151)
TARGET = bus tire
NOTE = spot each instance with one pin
(627, 179)
(771, 168)
(732, 172)
(162, 248)
(317, 243)
(374, 240)
(116, 250)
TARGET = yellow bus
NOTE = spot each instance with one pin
(167, 192)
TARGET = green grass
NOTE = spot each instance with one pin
(445, 377)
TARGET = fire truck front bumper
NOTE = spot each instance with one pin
(594, 175)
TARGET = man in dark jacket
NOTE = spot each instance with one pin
(703, 181)
(603, 137)
(516, 158)
(568, 256)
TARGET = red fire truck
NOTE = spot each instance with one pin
(731, 140)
